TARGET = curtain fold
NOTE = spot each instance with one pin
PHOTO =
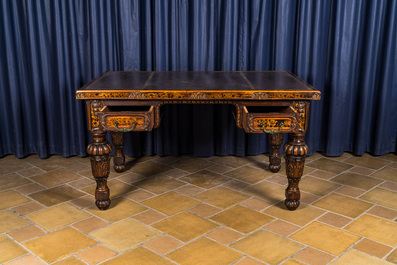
(49, 49)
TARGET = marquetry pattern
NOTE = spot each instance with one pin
(194, 95)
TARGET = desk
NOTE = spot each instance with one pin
(273, 102)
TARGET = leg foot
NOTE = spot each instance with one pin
(99, 150)
(276, 141)
(295, 151)
(118, 139)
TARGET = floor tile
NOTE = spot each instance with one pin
(69, 261)
(124, 235)
(12, 180)
(218, 168)
(367, 161)
(330, 165)
(249, 261)
(205, 210)
(114, 213)
(356, 257)
(326, 238)
(55, 178)
(159, 184)
(81, 183)
(267, 191)
(383, 212)
(278, 179)
(30, 171)
(389, 174)
(28, 208)
(242, 219)
(376, 228)
(392, 257)
(11, 198)
(56, 195)
(171, 203)
(29, 188)
(27, 260)
(47, 247)
(335, 219)
(350, 191)
(235, 184)
(189, 190)
(83, 201)
(293, 262)
(96, 254)
(191, 164)
(149, 168)
(343, 205)
(356, 180)
(26, 233)
(362, 170)
(301, 216)
(90, 224)
(139, 195)
(256, 204)
(163, 244)
(230, 161)
(308, 198)
(314, 257)
(389, 185)
(221, 197)
(249, 174)
(322, 174)
(372, 248)
(149, 217)
(205, 179)
(9, 249)
(185, 226)
(265, 246)
(10, 221)
(139, 255)
(176, 173)
(57, 216)
(381, 196)
(281, 227)
(11, 164)
(204, 251)
(225, 235)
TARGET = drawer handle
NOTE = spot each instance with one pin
(116, 123)
(263, 125)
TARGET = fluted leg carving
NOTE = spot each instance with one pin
(119, 157)
(276, 140)
(295, 152)
(99, 150)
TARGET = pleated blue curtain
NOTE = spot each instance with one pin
(49, 49)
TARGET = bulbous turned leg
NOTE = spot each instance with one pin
(119, 157)
(99, 150)
(276, 141)
(295, 152)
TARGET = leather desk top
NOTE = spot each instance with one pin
(215, 85)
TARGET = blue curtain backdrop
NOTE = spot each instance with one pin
(50, 48)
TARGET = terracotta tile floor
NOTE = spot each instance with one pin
(191, 210)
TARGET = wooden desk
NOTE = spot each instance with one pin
(273, 102)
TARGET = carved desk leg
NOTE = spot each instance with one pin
(119, 157)
(99, 150)
(295, 152)
(276, 140)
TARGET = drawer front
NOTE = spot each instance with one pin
(272, 122)
(264, 123)
(126, 121)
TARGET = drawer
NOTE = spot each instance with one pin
(127, 118)
(268, 119)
